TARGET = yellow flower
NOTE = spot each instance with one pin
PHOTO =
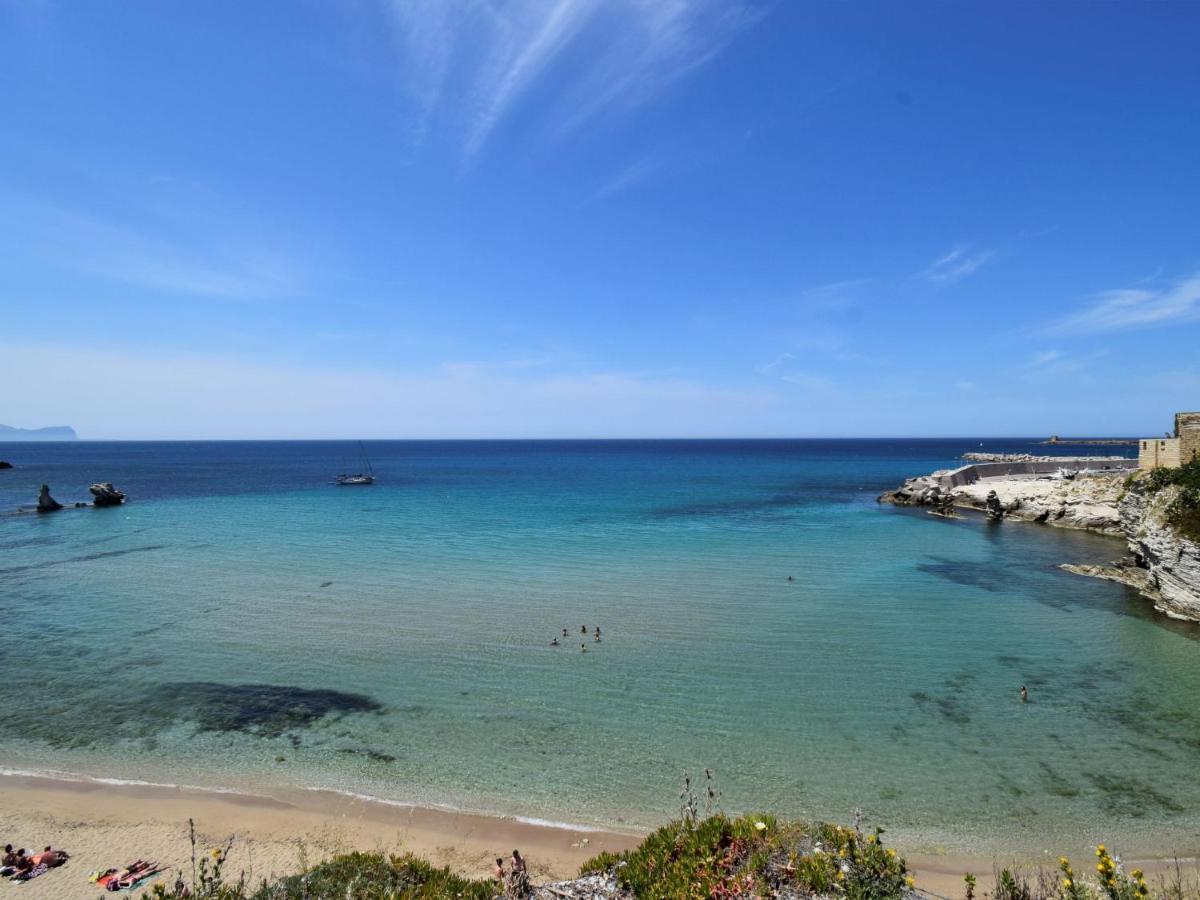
(1066, 882)
(215, 853)
(871, 838)
(1062, 860)
(891, 853)
(910, 881)
(1100, 851)
(1137, 873)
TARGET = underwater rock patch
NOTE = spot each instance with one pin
(965, 572)
(264, 710)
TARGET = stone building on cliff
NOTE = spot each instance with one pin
(1170, 452)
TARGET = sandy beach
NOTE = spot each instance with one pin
(105, 825)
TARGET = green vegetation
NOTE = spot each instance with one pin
(1184, 512)
(713, 858)
(757, 856)
(355, 876)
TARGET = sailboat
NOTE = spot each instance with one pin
(364, 477)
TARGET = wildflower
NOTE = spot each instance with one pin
(1062, 861)
(1067, 882)
(760, 826)
(891, 853)
(1100, 851)
(215, 853)
(910, 881)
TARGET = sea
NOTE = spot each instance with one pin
(243, 624)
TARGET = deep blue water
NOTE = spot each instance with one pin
(241, 622)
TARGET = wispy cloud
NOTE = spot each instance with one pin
(634, 173)
(1135, 308)
(146, 256)
(1052, 364)
(181, 395)
(956, 265)
(468, 64)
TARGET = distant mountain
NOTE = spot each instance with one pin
(53, 433)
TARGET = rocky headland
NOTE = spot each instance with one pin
(1157, 514)
(1164, 554)
(1085, 500)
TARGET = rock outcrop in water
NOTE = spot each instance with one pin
(46, 503)
(1087, 501)
(5, 465)
(1163, 563)
(105, 494)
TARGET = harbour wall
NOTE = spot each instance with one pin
(972, 473)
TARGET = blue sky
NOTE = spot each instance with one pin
(537, 218)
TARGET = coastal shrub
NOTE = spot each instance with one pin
(353, 876)
(753, 856)
(1184, 512)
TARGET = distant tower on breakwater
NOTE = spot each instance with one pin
(1172, 452)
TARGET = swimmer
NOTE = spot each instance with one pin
(583, 648)
(554, 643)
(1024, 694)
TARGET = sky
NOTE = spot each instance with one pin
(598, 218)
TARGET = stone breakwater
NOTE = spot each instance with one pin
(1028, 490)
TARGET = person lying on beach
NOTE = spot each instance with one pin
(123, 879)
(51, 857)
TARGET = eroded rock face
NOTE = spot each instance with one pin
(106, 495)
(1171, 561)
(1087, 502)
(46, 503)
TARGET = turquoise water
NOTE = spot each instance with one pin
(242, 623)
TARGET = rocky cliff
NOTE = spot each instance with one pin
(1170, 561)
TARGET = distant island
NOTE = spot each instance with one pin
(50, 433)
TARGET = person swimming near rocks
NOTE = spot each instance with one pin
(1024, 694)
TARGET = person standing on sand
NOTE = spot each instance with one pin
(518, 876)
(498, 870)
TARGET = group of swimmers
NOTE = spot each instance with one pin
(583, 629)
(19, 867)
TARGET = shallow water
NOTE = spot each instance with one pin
(243, 623)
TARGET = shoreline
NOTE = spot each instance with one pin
(103, 824)
(106, 822)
